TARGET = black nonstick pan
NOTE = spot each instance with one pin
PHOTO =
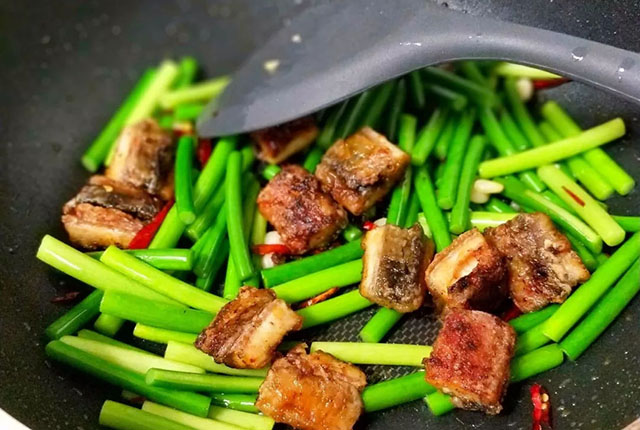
(66, 65)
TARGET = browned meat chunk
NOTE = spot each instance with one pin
(305, 216)
(312, 391)
(282, 141)
(360, 170)
(470, 360)
(393, 267)
(143, 157)
(107, 212)
(542, 268)
(95, 227)
(105, 192)
(247, 330)
(468, 274)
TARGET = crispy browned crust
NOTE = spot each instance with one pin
(468, 274)
(312, 391)
(95, 227)
(144, 156)
(305, 216)
(470, 360)
(282, 141)
(394, 261)
(247, 330)
(361, 169)
(107, 193)
(542, 267)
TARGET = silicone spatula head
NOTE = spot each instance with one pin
(332, 51)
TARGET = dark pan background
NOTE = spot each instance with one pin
(64, 68)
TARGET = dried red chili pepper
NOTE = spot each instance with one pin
(317, 299)
(66, 298)
(265, 249)
(368, 225)
(541, 408)
(542, 84)
(204, 151)
(143, 238)
(577, 199)
(511, 313)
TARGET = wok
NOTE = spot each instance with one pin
(65, 67)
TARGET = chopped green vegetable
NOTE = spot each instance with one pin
(100, 148)
(148, 101)
(460, 213)
(135, 361)
(211, 176)
(333, 309)
(84, 268)
(448, 186)
(108, 325)
(189, 402)
(161, 315)
(428, 136)
(579, 303)
(391, 354)
(161, 282)
(434, 216)
(397, 391)
(479, 94)
(589, 139)
(582, 203)
(396, 108)
(318, 282)
(184, 181)
(122, 417)
(235, 229)
(603, 313)
(76, 317)
(183, 353)
(161, 335)
(454, 100)
(297, 269)
(180, 380)
(164, 259)
(379, 325)
(529, 320)
(200, 92)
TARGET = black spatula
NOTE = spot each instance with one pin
(333, 51)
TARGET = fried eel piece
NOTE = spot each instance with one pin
(312, 391)
(542, 267)
(144, 157)
(282, 141)
(107, 212)
(393, 267)
(468, 274)
(361, 169)
(470, 360)
(247, 330)
(303, 214)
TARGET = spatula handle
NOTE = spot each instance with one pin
(609, 68)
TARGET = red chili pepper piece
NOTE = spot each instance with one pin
(66, 298)
(317, 299)
(204, 151)
(143, 238)
(368, 225)
(511, 313)
(541, 408)
(542, 84)
(573, 196)
(265, 249)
